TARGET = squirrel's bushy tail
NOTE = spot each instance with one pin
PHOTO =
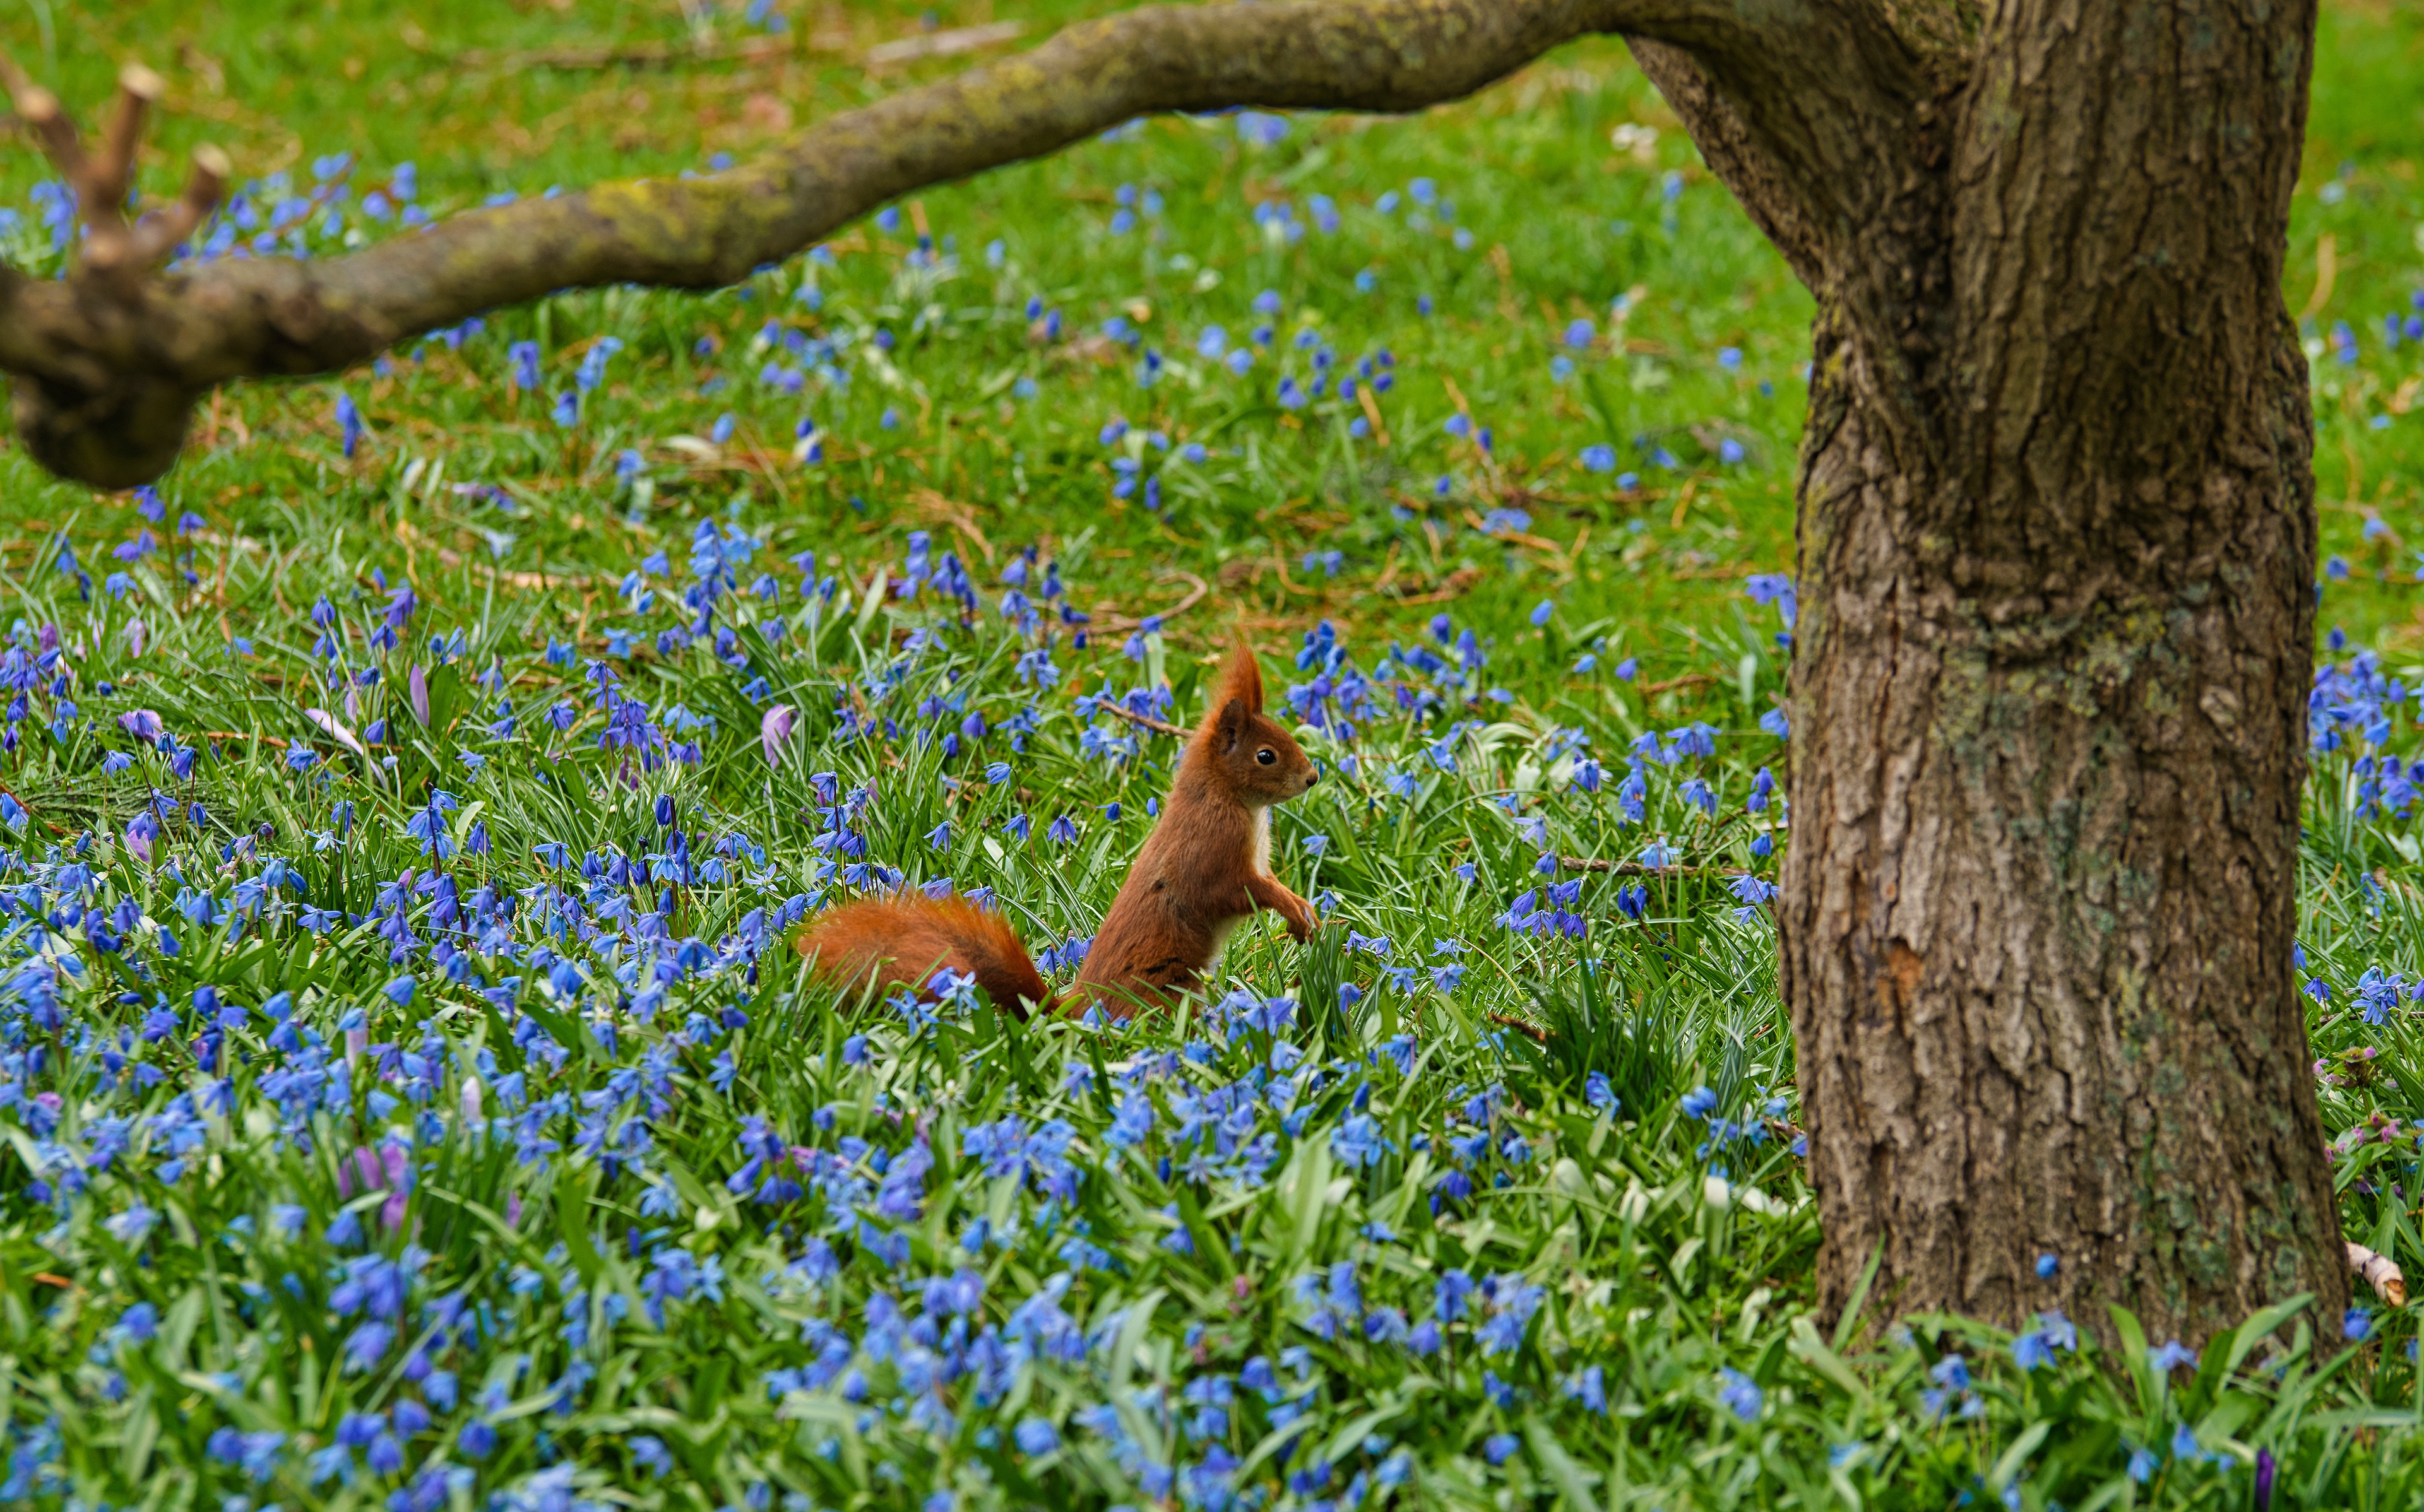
(902, 941)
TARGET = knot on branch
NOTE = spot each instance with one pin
(114, 248)
(118, 424)
(121, 435)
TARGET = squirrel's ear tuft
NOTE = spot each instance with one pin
(1229, 724)
(1241, 679)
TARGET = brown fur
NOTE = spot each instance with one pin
(1204, 868)
(1200, 872)
(903, 941)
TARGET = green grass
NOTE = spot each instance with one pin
(595, 1278)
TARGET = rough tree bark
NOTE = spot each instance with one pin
(2057, 537)
(2056, 543)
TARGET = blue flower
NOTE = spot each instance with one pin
(2057, 1329)
(1775, 588)
(1036, 1436)
(2171, 1357)
(367, 1344)
(1257, 128)
(1740, 1395)
(1358, 1141)
(1590, 1388)
(650, 1453)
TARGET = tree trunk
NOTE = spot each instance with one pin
(2056, 545)
(2039, 903)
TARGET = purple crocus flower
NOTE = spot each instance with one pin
(774, 731)
(387, 1170)
(418, 685)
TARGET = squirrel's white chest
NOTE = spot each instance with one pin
(1227, 926)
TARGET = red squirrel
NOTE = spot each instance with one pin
(1206, 866)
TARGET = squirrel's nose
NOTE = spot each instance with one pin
(1312, 778)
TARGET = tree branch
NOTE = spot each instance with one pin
(108, 370)
(1834, 137)
(1760, 182)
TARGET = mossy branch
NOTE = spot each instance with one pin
(108, 367)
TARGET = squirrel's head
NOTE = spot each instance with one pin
(1255, 758)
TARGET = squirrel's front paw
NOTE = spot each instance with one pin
(1300, 922)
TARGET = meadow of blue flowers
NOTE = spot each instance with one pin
(433, 1088)
(412, 1099)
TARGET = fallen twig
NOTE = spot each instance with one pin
(1109, 623)
(1454, 586)
(1160, 726)
(1627, 869)
(1635, 869)
(945, 43)
(454, 560)
(47, 824)
(636, 54)
(2380, 1272)
(1523, 1026)
(1686, 681)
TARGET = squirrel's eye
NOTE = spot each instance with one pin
(1266, 756)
